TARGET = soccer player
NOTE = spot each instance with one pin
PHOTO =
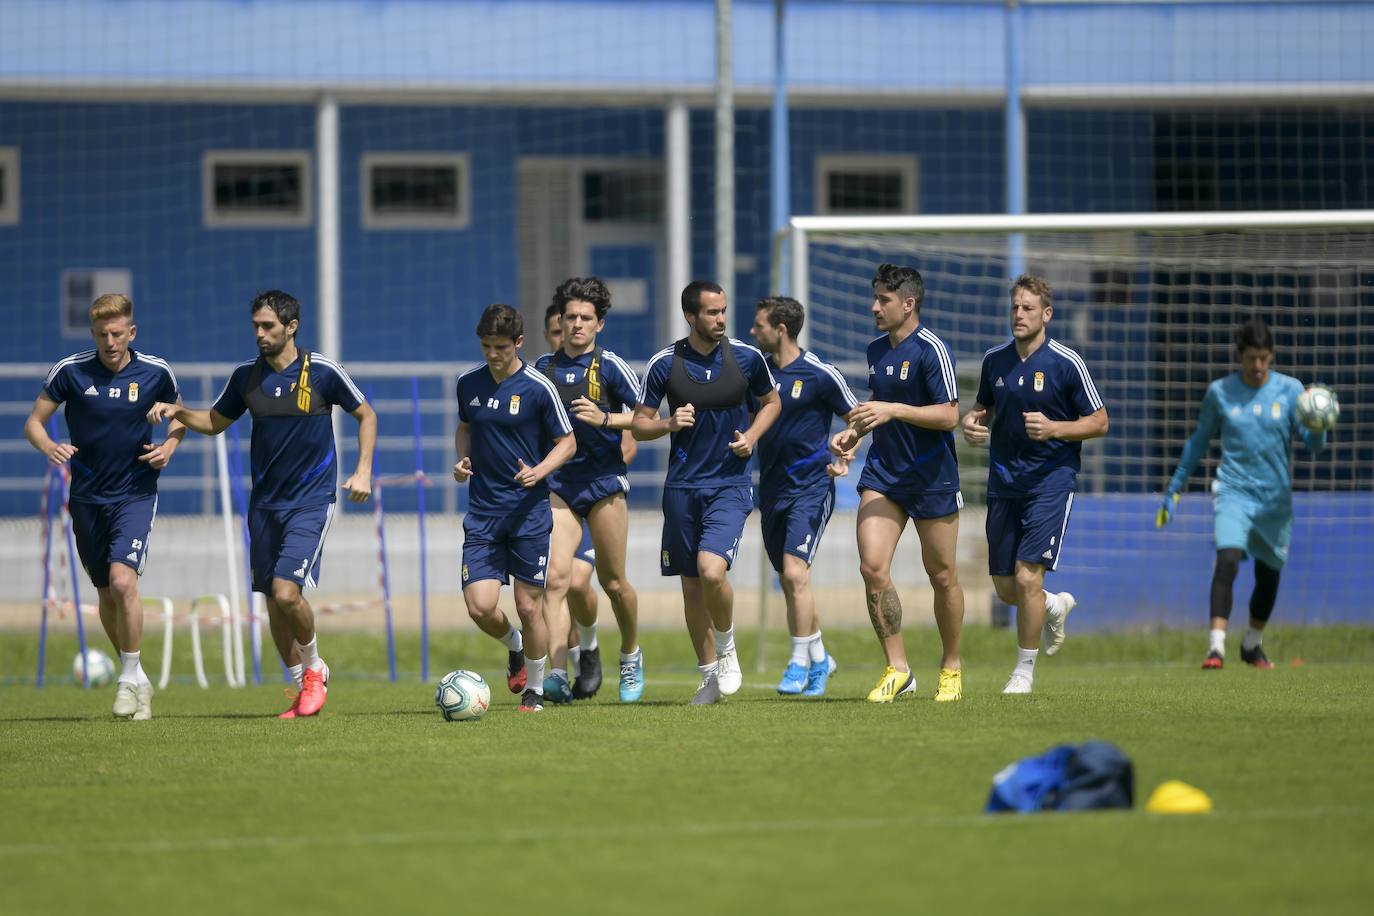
(1254, 409)
(113, 496)
(911, 474)
(796, 489)
(1036, 405)
(291, 393)
(596, 387)
(707, 378)
(513, 433)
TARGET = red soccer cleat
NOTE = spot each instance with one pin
(515, 672)
(1213, 661)
(312, 696)
(291, 710)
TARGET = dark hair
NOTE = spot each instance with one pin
(904, 281)
(585, 289)
(283, 305)
(500, 320)
(1254, 334)
(549, 312)
(691, 294)
(1036, 286)
(785, 311)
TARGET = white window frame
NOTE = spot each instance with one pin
(374, 220)
(264, 219)
(827, 165)
(105, 280)
(9, 210)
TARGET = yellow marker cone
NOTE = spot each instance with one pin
(1175, 797)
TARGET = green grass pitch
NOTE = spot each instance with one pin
(759, 805)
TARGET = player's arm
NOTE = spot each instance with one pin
(648, 425)
(629, 446)
(36, 431)
(769, 407)
(1209, 420)
(587, 412)
(564, 447)
(1041, 428)
(977, 425)
(872, 414)
(462, 444)
(359, 486)
(158, 456)
(206, 422)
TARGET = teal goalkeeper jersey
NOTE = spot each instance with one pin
(1257, 427)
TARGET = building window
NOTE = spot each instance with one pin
(622, 195)
(416, 191)
(9, 185)
(257, 188)
(78, 288)
(866, 185)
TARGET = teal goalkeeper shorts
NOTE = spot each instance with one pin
(1262, 531)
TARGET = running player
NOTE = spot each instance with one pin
(513, 433)
(1254, 409)
(911, 474)
(290, 393)
(707, 378)
(113, 496)
(1036, 405)
(796, 489)
(596, 387)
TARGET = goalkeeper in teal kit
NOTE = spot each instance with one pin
(1255, 410)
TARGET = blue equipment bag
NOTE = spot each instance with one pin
(1083, 777)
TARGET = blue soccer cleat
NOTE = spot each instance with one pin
(817, 677)
(557, 689)
(632, 678)
(793, 680)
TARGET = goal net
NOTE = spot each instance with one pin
(1151, 303)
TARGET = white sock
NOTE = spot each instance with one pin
(587, 636)
(708, 670)
(817, 648)
(1025, 662)
(297, 674)
(556, 672)
(725, 641)
(801, 650)
(574, 656)
(1216, 642)
(1052, 603)
(132, 669)
(310, 656)
(637, 653)
(1251, 639)
(535, 668)
(513, 640)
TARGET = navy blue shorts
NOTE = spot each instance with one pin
(586, 551)
(794, 524)
(582, 495)
(926, 505)
(1028, 528)
(501, 546)
(114, 532)
(708, 520)
(287, 544)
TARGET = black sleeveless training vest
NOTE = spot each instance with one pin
(591, 386)
(304, 404)
(724, 392)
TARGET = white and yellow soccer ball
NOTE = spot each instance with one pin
(99, 665)
(462, 696)
(1318, 408)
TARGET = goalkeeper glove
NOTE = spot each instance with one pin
(1166, 510)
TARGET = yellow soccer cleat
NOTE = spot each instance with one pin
(951, 686)
(894, 683)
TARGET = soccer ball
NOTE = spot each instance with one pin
(462, 695)
(100, 666)
(1318, 408)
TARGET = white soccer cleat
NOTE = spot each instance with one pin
(728, 673)
(126, 699)
(145, 703)
(1054, 623)
(708, 692)
(1018, 683)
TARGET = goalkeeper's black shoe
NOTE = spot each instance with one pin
(1255, 657)
(588, 674)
